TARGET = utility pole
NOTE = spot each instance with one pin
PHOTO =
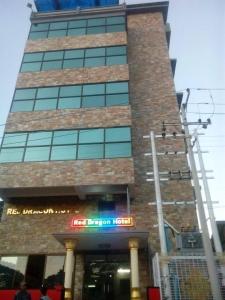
(162, 236)
(214, 228)
(210, 260)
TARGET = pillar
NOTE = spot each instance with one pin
(69, 267)
(135, 283)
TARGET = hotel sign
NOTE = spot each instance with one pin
(102, 222)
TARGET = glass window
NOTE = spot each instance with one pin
(37, 154)
(117, 134)
(94, 62)
(25, 94)
(56, 33)
(35, 271)
(30, 57)
(77, 24)
(12, 270)
(117, 87)
(93, 89)
(65, 137)
(58, 25)
(73, 63)
(93, 101)
(63, 152)
(39, 138)
(91, 135)
(74, 54)
(11, 155)
(39, 27)
(31, 67)
(46, 104)
(53, 55)
(115, 20)
(14, 139)
(116, 28)
(117, 99)
(38, 35)
(96, 22)
(22, 106)
(49, 92)
(54, 273)
(74, 90)
(96, 30)
(77, 31)
(51, 65)
(69, 103)
(95, 52)
(117, 150)
(90, 151)
(116, 60)
(118, 50)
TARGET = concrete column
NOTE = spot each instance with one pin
(135, 284)
(69, 267)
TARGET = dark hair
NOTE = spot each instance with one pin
(44, 290)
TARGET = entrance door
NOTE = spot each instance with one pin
(107, 277)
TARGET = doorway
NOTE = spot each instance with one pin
(106, 277)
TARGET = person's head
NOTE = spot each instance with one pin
(44, 290)
(23, 285)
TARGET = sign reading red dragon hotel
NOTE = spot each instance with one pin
(101, 223)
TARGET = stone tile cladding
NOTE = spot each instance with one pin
(153, 101)
(66, 173)
(73, 76)
(70, 42)
(79, 276)
(69, 118)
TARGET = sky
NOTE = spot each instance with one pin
(198, 44)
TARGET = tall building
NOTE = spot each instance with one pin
(93, 81)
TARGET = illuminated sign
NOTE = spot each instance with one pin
(105, 222)
(46, 211)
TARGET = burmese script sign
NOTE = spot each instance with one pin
(103, 222)
(45, 211)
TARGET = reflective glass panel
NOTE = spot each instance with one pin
(54, 273)
(93, 101)
(77, 31)
(58, 25)
(117, 87)
(117, 99)
(14, 139)
(90, 151)
(54, 55)
(69, 103)
(39, 138)
(51, 65)
(31, 67)
(30, 57)
(25, 94)
(56, 33)
(38, 35)
(11, 154)
(96, 30)
(95, 52)
(91, 135)
(49, 92)
(77, 24)
(96, 22)
(115, 28)
(94, 89)
(116, 60)
(73, 90)
(115, 20)
(63, 152)
(117, 134)
(117, 150)
(37, 154)
(46, 104)
(65, 137)
(94, 62)
(74, 54)
(73, 63)
(117, 50)
(39, 27)
(22, 106)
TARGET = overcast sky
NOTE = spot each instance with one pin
(198, 43)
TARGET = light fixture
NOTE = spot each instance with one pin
(91, 286)
(123, 271)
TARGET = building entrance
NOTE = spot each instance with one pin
(107, 277)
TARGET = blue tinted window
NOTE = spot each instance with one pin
(37, 154)
(91, 135)
(74, 90)
(95, 52)
(94, 89)
(22, 106)
(94, 62)
(57, 33)
(118, 50)
(117, 87)
(53, 55)
(46, 104)
(14, 139)
(31, 57)
(117, 134)
(77, 24)
(49, 92)
(38, 35)
(115, 20)
(73, 63)
(96, 22)
(74, 54)
(74, 102)
(40, 27)
(93, 101)
(51, 65)
(63, 152)
(58, 25)
(77, 31)
(90, 151)
(39, 138)
(117, 150)
(65, 137)
(31, 67)
(23, 94)
(117, 99)
(11, 155)
(116, 60)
